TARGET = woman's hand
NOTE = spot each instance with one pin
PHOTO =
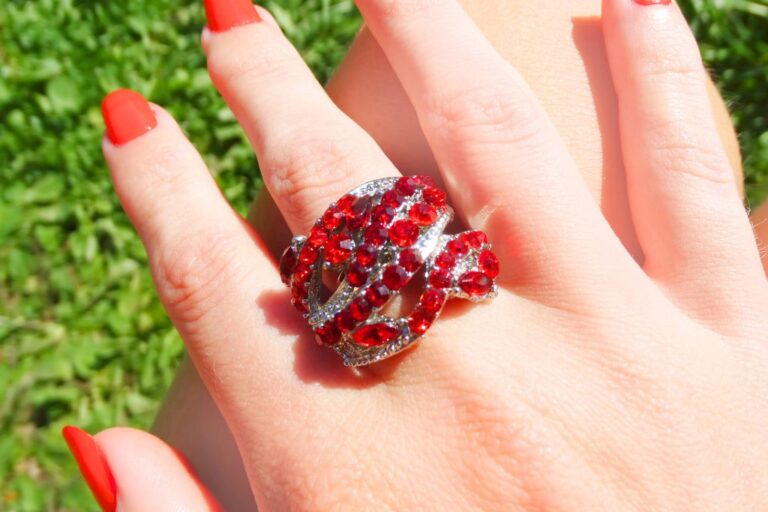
(590, 383)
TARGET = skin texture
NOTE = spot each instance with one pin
(582, 396)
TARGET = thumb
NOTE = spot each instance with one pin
(132, 471)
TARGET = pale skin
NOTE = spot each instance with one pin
(598, 384)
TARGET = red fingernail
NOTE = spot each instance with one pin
(93, 466)
(127, 115)
(653, 2)
(224, 14)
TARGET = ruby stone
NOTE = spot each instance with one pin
(360, 309)
(419, 321)
(423, 214)
(377, 294)
(457, 247)
(395, 277)
(382, 214)
(358, 214)
(375, 334)
(406, 185)
(376, 234)
(445, 260)
(432, 300)
(404, 233)
(317, 236)
(434, 196)
(357, 274)
(287, 263)
(488, 263)
(440, 279)
(327, 334)
(339, 248)
(410, 260)
(302, 273)
(392, 198)
(308, 254)
(367, 255)
(475, 283)
(474, 239)
(344, 321)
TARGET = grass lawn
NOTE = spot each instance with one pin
(83, 339)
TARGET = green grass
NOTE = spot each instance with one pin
(83, 339)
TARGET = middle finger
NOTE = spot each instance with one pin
(310, 153)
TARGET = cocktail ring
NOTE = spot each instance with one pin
(377, 238)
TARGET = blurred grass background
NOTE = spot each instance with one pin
(83, 340)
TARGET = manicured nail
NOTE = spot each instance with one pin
(127, 116)
(93, 466)
(653, 2)
(224, 14)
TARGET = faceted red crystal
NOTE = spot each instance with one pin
(410, 260)
(317, 236)
(377, 294)
(308, 254)
(376, 234)
(327, 334)
(300, 306)
(367, 255)
(302, 273)
(404, 233)
(299, 292)
(339, 248)
(375, 334)
(439, 279)
(423, 214)
(395, 277)
(406, 185)
(419, 321)
(432, 300)
(382, 214)
(475, 283)
(344, 205)
(344, 321)
(392, 198)
(357, 274)
(425, 181)
(457, 247)
(287, 263)
(434, 196)
(445, 260)
(488, 263)
(332, 219)
(357, 217)
(474, 239)
(360, 309)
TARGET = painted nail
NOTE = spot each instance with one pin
(653, 2)
(224, 14)
(93, 466)
(127, 116)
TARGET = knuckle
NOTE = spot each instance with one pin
(496, 114)
(403, 9)
(228, 65)
(192, 273)
(313, 171)
(687, 156)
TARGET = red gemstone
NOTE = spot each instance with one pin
(308, 254)
(392, 198)
(377, 294)
(302, 273)
(445, 260)
(382, 214)
(317, 236)
(425, 181)
(327, 334)
(474, 239)
(367, 255)
(419, 321)
(375, 334)
(332, 219)
(360, 309)
(410, 260)
(357, 275)
(395, 277)
(457, 247)
(440, 279)
(423, 214)
(404, 233)
(376, 234)
(434, 196)
(488, 263)
(406, 185)
(344, 205)
(358, 215)
(475, 283)
(339, 248)
(344, 321)
(432, 300)
(299, 292)
(287, 263)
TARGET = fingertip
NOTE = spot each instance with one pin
(127, 116)
(93, 466)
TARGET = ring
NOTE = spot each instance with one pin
(377, 238)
